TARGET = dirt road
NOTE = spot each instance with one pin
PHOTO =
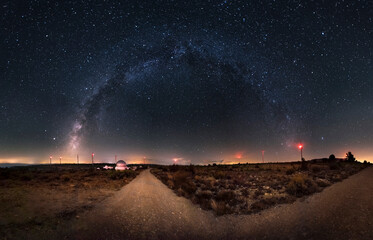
(147, 209)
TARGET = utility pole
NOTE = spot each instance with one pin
(303, 162)
(92, 159)
(300, 146)
(263, 156)
(50, 160)
(77, 158)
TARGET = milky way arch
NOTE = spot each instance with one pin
(189, 86)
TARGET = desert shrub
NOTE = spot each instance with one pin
(117, 175)
(197, 178)
(245, 192)
(204, 194)
(204, 199)
(174, 168)
(336, 178)
(91, 173)
(43, 176)
(180, 177)
(188, 187)
(65, 178)
(164, 178)
(263, 204)
(290, 171)
(220, 175)
(26, 177)
(169, 183)
(191, 169)
(239, 181)
(322, 183)
(220, 207)
(257, 206)
(4, 173)
(315, 169)
(276, 185)
(300, 185)
(227, 196)
(350, 157)
(334, 165)
(232, 186)
(258, 192)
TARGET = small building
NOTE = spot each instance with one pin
(121, 166)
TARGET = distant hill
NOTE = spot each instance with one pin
(7, 165)
(326, 160)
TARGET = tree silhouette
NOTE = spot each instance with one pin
(332, 158)
(350, 157)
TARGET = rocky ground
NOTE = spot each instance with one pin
(250, 188)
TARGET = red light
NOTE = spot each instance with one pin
(300, 146)
(238, 155)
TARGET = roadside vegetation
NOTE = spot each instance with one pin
(250, 188)
(38, 198)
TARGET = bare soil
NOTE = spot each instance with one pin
(34, 199)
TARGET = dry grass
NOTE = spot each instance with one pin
(249, 188)
(37, 198)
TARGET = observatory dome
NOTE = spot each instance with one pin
(121, 165)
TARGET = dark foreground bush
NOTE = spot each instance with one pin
(204, 199)
(334, 166)
(227, 196)
(117, 175)
(301, 185)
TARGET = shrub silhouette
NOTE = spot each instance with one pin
(332, 158)
(350, 157)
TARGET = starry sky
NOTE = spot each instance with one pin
(196, 81)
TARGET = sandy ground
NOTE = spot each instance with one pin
(147, 209)
(36, 201)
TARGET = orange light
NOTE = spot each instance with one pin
(238, 155)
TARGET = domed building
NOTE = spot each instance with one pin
(121, 166)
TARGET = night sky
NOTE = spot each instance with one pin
(195, 80)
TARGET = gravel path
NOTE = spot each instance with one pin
(147, 209)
